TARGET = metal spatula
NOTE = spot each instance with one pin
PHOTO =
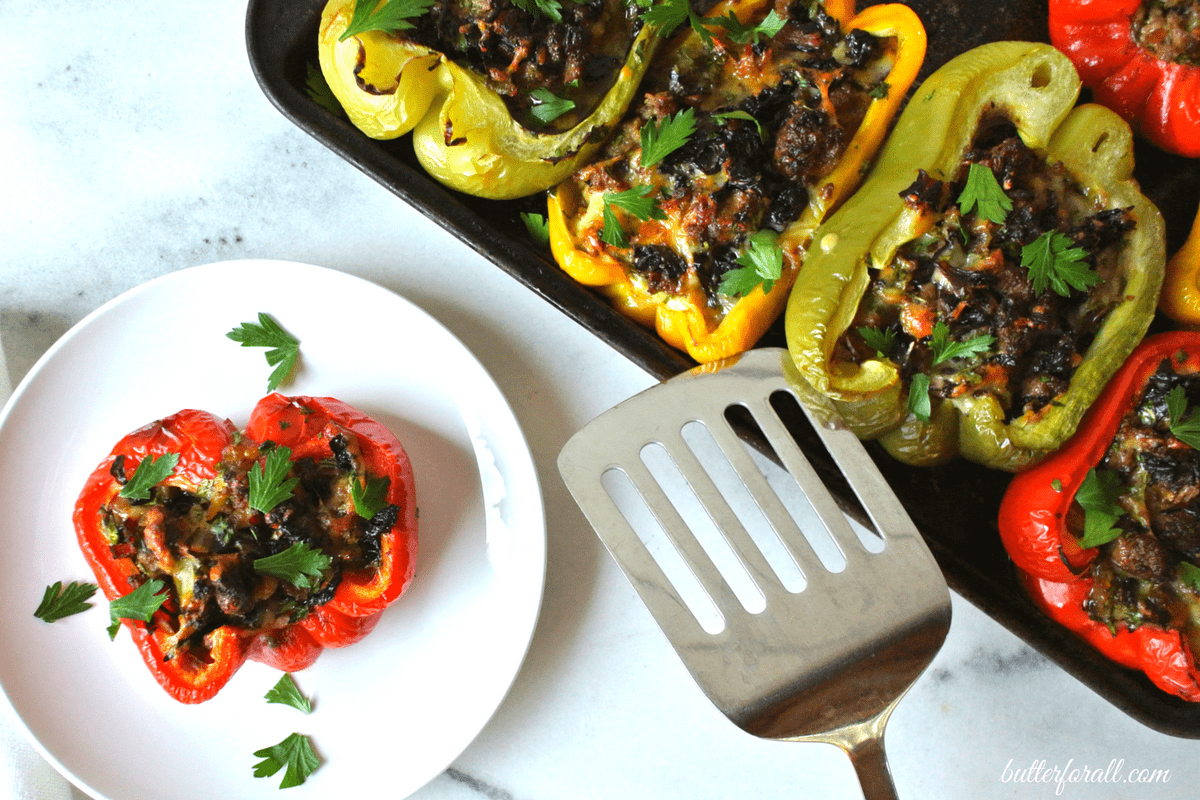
(827, 663)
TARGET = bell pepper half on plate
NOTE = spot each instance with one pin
(754, 124)
(980, 288)
(1141, 58)
(502, 102)
(1105, 533)
(269, 545)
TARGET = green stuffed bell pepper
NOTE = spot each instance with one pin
(502, 102)
(991, 274)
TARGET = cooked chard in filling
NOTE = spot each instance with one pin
(208, 548)
(539, 65)
(1147, 569)
(994, 299)
(1169, 30)
(749, 129)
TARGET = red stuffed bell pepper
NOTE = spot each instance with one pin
(269, 545)
(1105, 533)
(1141, 58)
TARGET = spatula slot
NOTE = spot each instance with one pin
(634, 506)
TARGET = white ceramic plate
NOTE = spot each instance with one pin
(392, 711)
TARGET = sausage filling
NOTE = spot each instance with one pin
(773, 116)
(1169, 30)
(966, 273)
(204, 546)
(1150, 573)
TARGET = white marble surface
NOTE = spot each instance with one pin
(136, 142)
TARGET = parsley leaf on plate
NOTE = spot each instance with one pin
(287, 693)
(984, 194)
(267, 485)
(548, 106)
(741, 33)
(390, 16)
(1054, 262)
(369, 496)
(139, 605)
(58, 602)
(665, 137)
(267, 333)
(150, 472)
(300, 565)
(294, 755)
(547, 8)
(1185, 429)
(761, 263)
(1098, 495)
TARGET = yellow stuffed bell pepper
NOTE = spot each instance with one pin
(1180, 298)
(754, 126)
(982, 286)
(501, 105)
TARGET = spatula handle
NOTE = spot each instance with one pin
(874, 775)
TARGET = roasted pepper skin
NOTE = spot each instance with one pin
(1037, 87)
(1180, 299)
(1159, 98)
(462, 131)
(200, 438)
(692, 328)
(1052, 566)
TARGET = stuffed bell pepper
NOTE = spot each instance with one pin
(503, 98)
(216, 546)
(1106, 532)
(1000, 263)
(1141, 58)
(754, 124)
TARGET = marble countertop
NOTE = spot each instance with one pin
(136, 142)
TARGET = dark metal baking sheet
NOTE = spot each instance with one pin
(955, 506)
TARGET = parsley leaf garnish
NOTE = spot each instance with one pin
(637, 202)
(1190, 575)
(880, 340)
(267, 333)
(58, 602)
(267, 485)
(1098, 496)
(984, 194)
(722, 116)
(150, 472)
(741, 33)
(1053, 262)
(667, 14)
(319, 92)
(918, 397)
(547, 8)
(1186, 430)
(391, 16)
(537, 226)
(548, 106)
(370, 496)
(294, 755)
(762, 262)
(299, 565)
(287, 693)
(140, 605)
(944, 349)
(670, 134)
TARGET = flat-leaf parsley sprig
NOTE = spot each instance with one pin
(139, 605)
(636, 201)
(983, 194)
(58, 602)
(942, 348)
(301, 565)
(1184, 428)
(294, 755)
(390, 16)
(661, 139)
(761, 264)
(284, 348)
(267, 485)
(150, 472)
(1054, 262)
